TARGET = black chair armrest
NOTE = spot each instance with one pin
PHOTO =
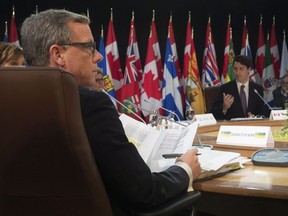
(174, 205)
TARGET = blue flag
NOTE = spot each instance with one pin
(171, 87)
(5, 39)
(108, 83)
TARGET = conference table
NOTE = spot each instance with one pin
(253, 190)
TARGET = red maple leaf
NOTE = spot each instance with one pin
(151, 86)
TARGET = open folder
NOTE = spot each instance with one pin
(152, 144)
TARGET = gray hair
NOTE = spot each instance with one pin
(40, 31)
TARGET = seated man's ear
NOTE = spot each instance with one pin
(57, 55)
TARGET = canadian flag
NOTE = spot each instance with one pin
(151, 96)
(113, 60)
(13, 35)
(275, 51)
(260, 54)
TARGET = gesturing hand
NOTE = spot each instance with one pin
(227, 101)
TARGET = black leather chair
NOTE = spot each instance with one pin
(210, 95)
(46, 164)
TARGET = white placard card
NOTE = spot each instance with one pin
(278, 115)
(245, 136)
(205, 119)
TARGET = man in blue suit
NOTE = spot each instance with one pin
(237, 98)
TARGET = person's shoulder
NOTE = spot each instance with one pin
(87, 93)
(229, 84)
(255, 85)
(277, 90)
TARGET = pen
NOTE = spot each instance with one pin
(174, 155)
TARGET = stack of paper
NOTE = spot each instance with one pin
(152, 144)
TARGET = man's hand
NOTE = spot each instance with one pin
(227, 101)
(191, 159)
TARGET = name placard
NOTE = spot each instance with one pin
(205, 119)
(278, 115)
(245, 136)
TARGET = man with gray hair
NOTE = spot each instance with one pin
(62, 39)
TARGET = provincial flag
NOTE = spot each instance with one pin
(245, 40)
(246, 50)
(268, 78)
(156, 49)
(151, 96)
(176, 60)
(171, 88)
(113, 60)
(13, 35)
(5, 38)
(193, 88)
(209, 37)
(210, 74)
(275, 51)
(260, 54)
(130, 93)
(133, 41)
(228, 72)
(284, 58)
(108, 82)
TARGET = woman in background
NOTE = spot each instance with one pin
(11, 55)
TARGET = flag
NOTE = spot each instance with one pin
(156, 49)
(171, 88)
(174, 48)
(133, 41)
(245, 41)
(231, 55)
(275, 51)
(210, 74)
(108, 82)
(130, 93)
(209, 37)
(284, 58)
(5, 38)
(113, 60)
(246, 50)
(13, 35)
(259, 61)
(228, 72)
(176, 60)
(268, 77)
(192, 88)
(187, 53)
(151, 97)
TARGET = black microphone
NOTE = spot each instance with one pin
(161, 107)
(263, 99)
(121, 104)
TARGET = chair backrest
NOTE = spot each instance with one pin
(46, 164)
(210, 95)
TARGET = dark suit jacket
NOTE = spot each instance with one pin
(279, 98)
(128, 180)
(255, 103)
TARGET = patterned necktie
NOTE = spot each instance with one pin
(243, 99)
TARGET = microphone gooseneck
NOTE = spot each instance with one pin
(263, 99)
(161, 107)
(121, 104)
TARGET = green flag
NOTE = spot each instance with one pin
(230, 73)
